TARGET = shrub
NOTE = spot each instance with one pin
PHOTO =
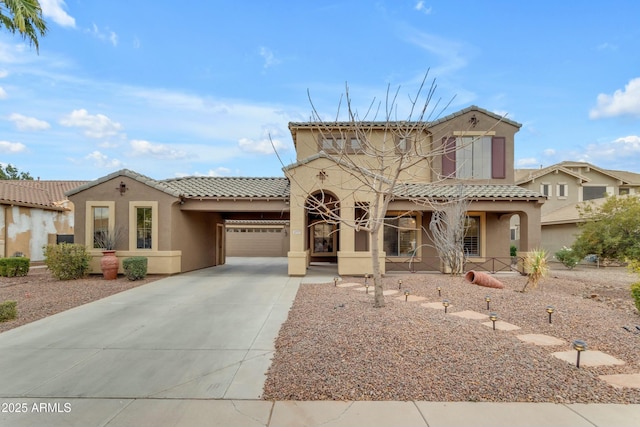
(513, 250)
(536, 266)
(135, 267)
(568, 257)
(635, 293)
(67, 261)
(8, 311)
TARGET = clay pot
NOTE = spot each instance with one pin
(483, 279)
(109, 265)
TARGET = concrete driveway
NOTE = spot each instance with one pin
(207, 334)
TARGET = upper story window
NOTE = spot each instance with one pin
(403, 145)
(562, 191)
(545, 189)
(474, 157)
(594, 192)
(336, 144)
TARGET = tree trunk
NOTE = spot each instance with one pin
(375, 262)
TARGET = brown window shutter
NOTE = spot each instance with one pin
(498, 157)
(449, 157)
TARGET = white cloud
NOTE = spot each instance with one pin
(54, 9)
(219, 171)
(3, 74)
(159, 151)
(3, 93)
(106, 35)
(96, 126)
(448, 52)
(265, 144)
(618, 149)
(420, 7)
(12, 147)
(28, 123)
(528, 162)
(269, 57)
(622, 103)
(549, 152)
(103, 161)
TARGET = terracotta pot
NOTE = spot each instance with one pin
(483, 279)
(109, 265)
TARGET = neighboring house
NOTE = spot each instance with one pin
(34, 213)
(567, 185)
(185, 223)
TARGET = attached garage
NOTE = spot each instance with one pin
(247, 238)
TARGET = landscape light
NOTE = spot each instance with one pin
(446, 305)
(406, 295)
(366, 286)
(579, 346)
(493, 317)
(549, 310)
(335, 281)
(400, 284)
(488, 300)
(366, 279)
(439, 291)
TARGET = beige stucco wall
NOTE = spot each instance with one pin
(554, 237)
(26, 230)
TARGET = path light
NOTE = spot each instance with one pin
(366, 286)
(579, 346)
(400, 284)
(366, 279)
(488, 300)
(549, 310)
(446, 305)
(493, 317)
(406, 295)
(439, 291)
(335, 281)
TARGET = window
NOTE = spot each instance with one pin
(361, 215)
(562, 190)
(472, 236)
(623, 191)
(474, 157)
(594, 192)
(400, 236)
(144, 224)
(545, 189)
(100, 215)
(340, 144)
(403, 145)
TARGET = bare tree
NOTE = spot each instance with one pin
(448, 228)
(393, 155)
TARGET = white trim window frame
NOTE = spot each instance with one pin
(562, 190)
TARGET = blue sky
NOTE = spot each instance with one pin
(196, 87)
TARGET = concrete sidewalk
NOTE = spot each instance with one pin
(250, 413)
(193, 350)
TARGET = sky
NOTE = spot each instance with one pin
(207, 88)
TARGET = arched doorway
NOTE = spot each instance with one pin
(323, 219)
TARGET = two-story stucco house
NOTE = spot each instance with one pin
(181, 224)
(566, 185)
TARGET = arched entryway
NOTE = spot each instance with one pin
(323, 238)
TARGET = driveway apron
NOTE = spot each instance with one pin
(207, 334)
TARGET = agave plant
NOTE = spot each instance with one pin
(536, 266)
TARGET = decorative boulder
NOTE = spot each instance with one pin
(483, 279)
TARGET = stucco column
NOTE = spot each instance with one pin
(347, 234)
(297, 254)
(530, 231)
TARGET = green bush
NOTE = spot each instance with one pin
(67, 261)
(635, 293)
(135, 267)
(568, 257)
(513, 250)
(8, 311)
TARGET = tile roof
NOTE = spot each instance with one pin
(158, 185)
(471, 191)
(204, 186)
(36, 193)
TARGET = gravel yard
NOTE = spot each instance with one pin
(39, 294)
(336, 346)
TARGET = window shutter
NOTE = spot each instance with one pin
(498, 157)
(449, 157)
